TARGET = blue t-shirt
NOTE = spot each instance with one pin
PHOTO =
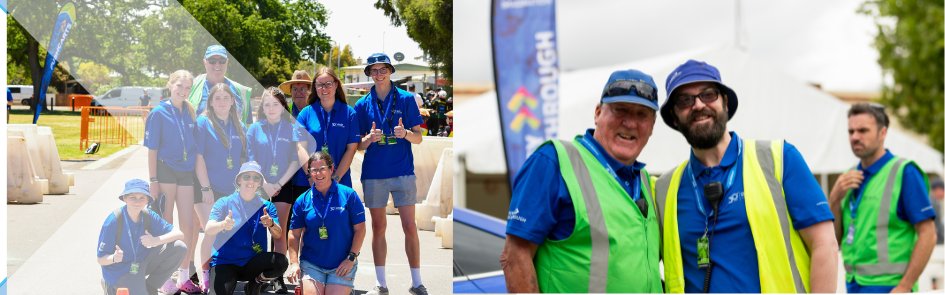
(914, 205)
(273, 144)
(215, 155)
(236, 247)
(387, 161)
(170, 131)
(541, 206)
(312, 210)
(202, 106)
(734, 258)
(129, 242)
(343, 131)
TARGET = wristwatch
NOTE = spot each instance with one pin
(154, 179)
(352, 256)
(205, 188)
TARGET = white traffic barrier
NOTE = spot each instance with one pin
(30, 153)
(22, 185)
(439, 200)
(444, 230)
(59, 182)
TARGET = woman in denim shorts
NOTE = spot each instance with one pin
(328, 220)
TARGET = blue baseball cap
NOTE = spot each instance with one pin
(215, 50)
(630, 86)
(694, 71)
(136, 186)
(378, 58)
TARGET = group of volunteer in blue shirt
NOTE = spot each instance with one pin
(241, 182)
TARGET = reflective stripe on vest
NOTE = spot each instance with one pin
(600, 247)
(882, 266)
(787, 263)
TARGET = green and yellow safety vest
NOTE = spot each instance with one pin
(882, 243)
(783, 260)
(613, 248)
(196, 95)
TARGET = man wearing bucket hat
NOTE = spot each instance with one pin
(216, 61)
(740, 215)
(138, 249)
(885, 221)
(389, 122)
(580, 219)
(299, 88)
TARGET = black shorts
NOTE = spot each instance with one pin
(289, 193)
(167, 175)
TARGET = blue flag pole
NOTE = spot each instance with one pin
(63, 25)
(525, 63)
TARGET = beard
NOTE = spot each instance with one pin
(704, 137)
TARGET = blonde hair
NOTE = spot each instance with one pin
(233, 117)
(173, 78)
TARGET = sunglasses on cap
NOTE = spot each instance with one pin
(379, 58)
(254, 177)
(684, 101)
(628, 87)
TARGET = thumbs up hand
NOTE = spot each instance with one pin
(118, 255)
(150, 241)
(375, 133)
(228, 222)
(266, 220)
(399, 131)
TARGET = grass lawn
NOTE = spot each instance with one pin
(66, 127)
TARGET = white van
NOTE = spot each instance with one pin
(126, 96)
(23, 93)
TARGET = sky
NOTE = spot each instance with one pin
(824, 42)
(368, 30)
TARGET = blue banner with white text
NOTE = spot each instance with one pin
(64, 23)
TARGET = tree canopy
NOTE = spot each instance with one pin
(429, 23)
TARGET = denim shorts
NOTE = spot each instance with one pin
(327, 276)
(402, 188)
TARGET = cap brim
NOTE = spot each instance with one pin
(630, 99)
(286, 86)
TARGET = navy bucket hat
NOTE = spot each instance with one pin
(136, 186)
(694, 71)
(378, 58)
(630, 86)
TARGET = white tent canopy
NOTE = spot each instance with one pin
(771, 105)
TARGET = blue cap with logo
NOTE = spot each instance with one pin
(694, 71)
(630, 86)
(136, 186)
(215, 50)
(378, 58)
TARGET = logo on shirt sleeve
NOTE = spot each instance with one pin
(513, 215)
(101, 246)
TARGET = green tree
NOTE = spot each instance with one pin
(430, 24)
(910, 45)
(347, 58)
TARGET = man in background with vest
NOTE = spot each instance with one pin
(740, 215)
(580, 219)
(215, 61)
(887, 232)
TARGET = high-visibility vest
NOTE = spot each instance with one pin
(613, 248)
(783, 260)
(882, 243)
(244, 93)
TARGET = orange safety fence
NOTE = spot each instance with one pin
(115, 125)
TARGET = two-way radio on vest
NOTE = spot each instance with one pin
(712, 192)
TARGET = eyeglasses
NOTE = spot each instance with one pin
(380, 71)
(247, 177)
(708, 96)
(216, 61)
(626, 87)
(321, 169)
(329, 84)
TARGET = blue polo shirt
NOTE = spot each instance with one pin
(914, 205)
(210, 145)
(312, 210)
(387, 161)
(343, 130)
(170, 131)
(129, 242)
(732, 249)
(236, 96)
(236, 247)
(541, 207)
(273, 144)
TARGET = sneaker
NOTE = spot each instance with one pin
(253, 287)
(190, 288)
(419, 290)
(169, 287)
(278, 286)
(378, 290)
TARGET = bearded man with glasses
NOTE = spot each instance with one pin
(579, 220)
(740, 215)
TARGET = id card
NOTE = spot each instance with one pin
(325, 148)
(702, 247)
(850, 235)
(229, 162)
(257, 248)
(274, 170)
(134, 268)
(185, 155)
(323, 233)
(383, 140)
(391, 140)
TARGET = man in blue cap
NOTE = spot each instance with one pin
(138, 249)
(390, 121)
(740, 215)
(215, 61)
(580, 218)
